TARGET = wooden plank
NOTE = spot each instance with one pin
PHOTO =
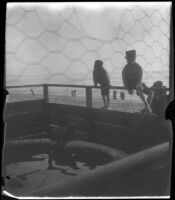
(18, 107)
(70, 85)
(22, 124)
(23, 86)
(130, 120)
(127, 139)
(13, 132)
(46, 93)
(147, 130)
(67, 85)
(14, 115)
(27, 117)
(89, 97)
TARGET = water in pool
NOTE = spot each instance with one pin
(37, 170)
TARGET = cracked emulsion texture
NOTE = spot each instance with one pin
(46, 45)
(59, 45)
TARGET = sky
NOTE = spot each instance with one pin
(59, 42)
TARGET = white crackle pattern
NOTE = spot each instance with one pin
(58, 43)
(69, 39)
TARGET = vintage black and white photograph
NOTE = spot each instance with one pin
(88, 86)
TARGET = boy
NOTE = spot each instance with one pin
(132, 76)
(157, 99)
(101, 76)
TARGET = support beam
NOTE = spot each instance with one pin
(89, 97)
(46, 93)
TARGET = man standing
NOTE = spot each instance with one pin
(132, 76)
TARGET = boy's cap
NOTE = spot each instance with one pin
(131, 53)
(98, 62)
(158, 84)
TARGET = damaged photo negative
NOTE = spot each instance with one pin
(87, 89)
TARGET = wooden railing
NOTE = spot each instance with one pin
(87, 88)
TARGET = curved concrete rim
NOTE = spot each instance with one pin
(73, 145)
(84, 146)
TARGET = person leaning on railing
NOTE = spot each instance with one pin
(101, 76)
(157, 98)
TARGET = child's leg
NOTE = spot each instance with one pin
(108, 100)
(141, 95)
(104, 100)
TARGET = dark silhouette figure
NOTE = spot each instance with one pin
(61, 135)
(101, 76)
(157, 98)
(132, 76)
(62, 158)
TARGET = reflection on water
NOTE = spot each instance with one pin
(43, 169)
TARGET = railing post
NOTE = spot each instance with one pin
(89, 96)
(46, 93)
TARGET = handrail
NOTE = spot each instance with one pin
(77, 86)
(23, 86)
(88, 90)
(83, 86)
(63, 85)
